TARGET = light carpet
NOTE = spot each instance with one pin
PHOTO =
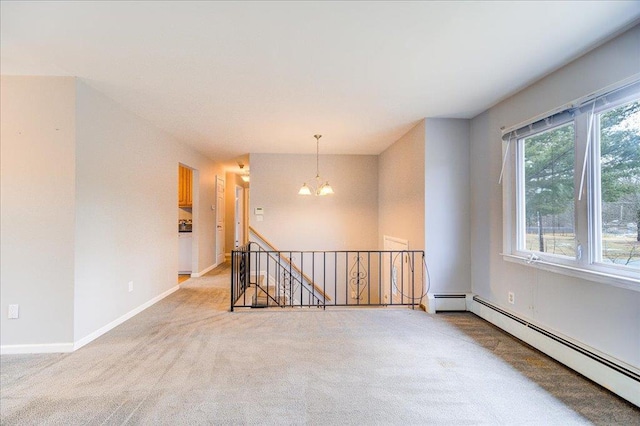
(188, 360)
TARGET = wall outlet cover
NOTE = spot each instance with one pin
(511, 298)
(130, 286)
(14, 312)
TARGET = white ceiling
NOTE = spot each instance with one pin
(231, 78)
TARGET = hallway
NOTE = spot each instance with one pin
(187, 360)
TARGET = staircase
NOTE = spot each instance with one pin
(281, 281)
(265, 295)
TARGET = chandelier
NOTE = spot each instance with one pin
(244, 174)
(320, 187)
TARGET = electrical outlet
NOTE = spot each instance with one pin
(14, 312)
(512, 298)
(130, 286)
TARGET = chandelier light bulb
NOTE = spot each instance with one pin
(304, 190)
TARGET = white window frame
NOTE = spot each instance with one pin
(595, 205)
(588, 227)
(521, 206)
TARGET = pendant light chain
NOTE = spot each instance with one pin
(317, 155)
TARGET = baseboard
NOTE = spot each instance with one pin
(204, 271)
(47, 348)
(616, 376)
(113, 324)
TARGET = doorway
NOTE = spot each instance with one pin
(187, 196)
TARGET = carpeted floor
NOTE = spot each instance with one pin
(187, 360)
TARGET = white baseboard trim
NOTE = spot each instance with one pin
(47, 348)
(113, 324)
(615, 375)
(204, 271)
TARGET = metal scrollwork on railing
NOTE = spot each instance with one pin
(289, 285)
(243, 270)
(326, 278)
(358, 279)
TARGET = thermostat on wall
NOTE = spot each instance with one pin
(259, 210)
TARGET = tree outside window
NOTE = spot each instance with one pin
(620, 185)
(549, 191)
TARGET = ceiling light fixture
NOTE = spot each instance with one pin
(320, 188)
(244, 174)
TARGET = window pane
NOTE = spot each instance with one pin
(549, 192)
(620, 185)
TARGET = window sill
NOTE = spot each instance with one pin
(587, 274)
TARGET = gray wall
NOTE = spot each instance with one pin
(347, 220)
(89, 203)
(38, 208)
(126, 218)
(601, 316)
(401, 189)
(422, 196)
(447, 207)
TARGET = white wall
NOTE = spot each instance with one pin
(601, 316)
(447, 206)
(37, 202)
(89, 203)
(126, 226)
(347, 220)
(422, 196)
(401, 189)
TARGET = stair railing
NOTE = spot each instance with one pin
(269, 278)
(290, 286)
(262, 278)
(294, 269)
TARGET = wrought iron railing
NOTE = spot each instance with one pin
(270, 278)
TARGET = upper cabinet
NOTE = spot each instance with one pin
(185, 187)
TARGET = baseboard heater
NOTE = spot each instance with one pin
(450, 302)
(624, 388)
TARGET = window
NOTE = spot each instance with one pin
(619, 186)
(572, 190)
(547, 216)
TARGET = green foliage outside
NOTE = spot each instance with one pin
(620, 184)
(549, 187)
(549, 169)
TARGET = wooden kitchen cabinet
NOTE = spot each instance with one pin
(185, 187)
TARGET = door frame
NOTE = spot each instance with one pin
(220, 220)
(391, 244)
(238, 219)
(195, 220)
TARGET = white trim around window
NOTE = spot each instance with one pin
(579, 227)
